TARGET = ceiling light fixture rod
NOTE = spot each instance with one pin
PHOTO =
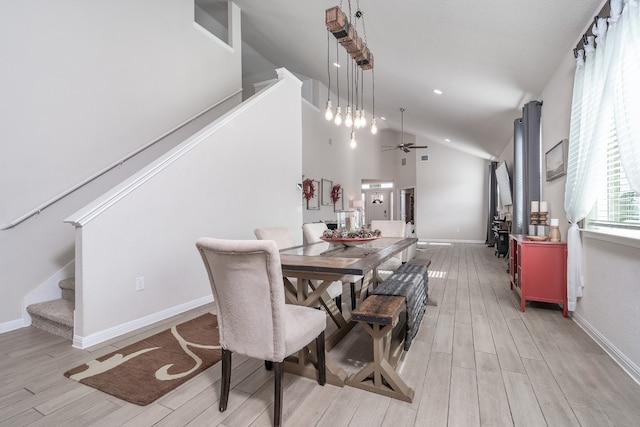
(402, 123)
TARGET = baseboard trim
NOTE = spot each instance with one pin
(102, 336)
(625, 363)
(12, 325)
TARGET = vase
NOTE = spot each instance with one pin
(554, 234)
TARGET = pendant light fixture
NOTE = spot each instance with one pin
(338, 117)
(328, 113)
(374, 126)
(359, 59)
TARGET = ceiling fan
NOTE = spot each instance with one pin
(406, 147)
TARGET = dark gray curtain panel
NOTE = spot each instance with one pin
(527, 182)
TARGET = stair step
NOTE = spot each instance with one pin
(54, 316)
(68, 287)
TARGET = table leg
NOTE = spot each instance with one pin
(302, 365)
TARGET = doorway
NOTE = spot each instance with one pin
(407, 205)
(378, 198)
(378, 204)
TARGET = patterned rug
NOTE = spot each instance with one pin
(142, 372)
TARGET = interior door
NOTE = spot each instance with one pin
(378, 204)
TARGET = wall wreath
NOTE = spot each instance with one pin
(308, 189)
(335, 193)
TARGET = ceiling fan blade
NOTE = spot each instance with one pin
(419, 146)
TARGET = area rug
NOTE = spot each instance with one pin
(142, 372)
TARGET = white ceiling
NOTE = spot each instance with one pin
(488, 57)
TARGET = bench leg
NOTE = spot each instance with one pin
(379, 376)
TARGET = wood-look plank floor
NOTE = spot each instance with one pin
(477, 361)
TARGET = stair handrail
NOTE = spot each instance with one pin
(115, 164)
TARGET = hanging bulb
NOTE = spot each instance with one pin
(348, 119)
(328, 112)
(338, 119)
(356, 120)
(374, 127)
(363, 119)
(353, 143)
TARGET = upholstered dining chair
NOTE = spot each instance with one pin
(312, 232)
(281, 235)
(284, 239)
(391, 228)
(253, 319)
(410, 253)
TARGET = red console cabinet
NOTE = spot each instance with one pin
(538, 270)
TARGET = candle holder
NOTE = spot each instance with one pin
(543, 217)
(554, 234)
(534, 218)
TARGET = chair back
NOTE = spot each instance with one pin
(395, 228)
(281, 235)
(313, 231)
(246, 281)
(410, 253)
(389, 228)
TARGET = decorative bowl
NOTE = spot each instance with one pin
(538, 238)
(350, 241)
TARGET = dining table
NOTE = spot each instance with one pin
(310, 269)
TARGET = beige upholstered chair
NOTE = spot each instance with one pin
(410, 253)
(391, 229)
(284, 239)
(253, 319)
(311, 233)
(281, 235)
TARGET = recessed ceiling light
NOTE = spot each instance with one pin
(447, 140)
(437, 91)
(383, 118)
(335, 64)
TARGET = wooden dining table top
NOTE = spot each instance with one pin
(337, 258)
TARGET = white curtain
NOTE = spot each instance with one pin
(583, 156)
(626, 90)
(606, 94)
(575, 175)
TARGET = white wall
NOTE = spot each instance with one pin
(451, 195)
(556, 118)
(609, 309)
(449, 186)
(90, 81)
(84, 84)
(147, 227)
(326, 154)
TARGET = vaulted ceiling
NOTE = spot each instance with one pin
(487, 57)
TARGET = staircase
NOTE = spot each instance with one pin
(56, 316)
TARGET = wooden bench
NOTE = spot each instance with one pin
(426, 262)
(379, 315)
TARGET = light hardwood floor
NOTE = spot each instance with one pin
(477, 360)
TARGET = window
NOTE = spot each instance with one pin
(617, 208)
